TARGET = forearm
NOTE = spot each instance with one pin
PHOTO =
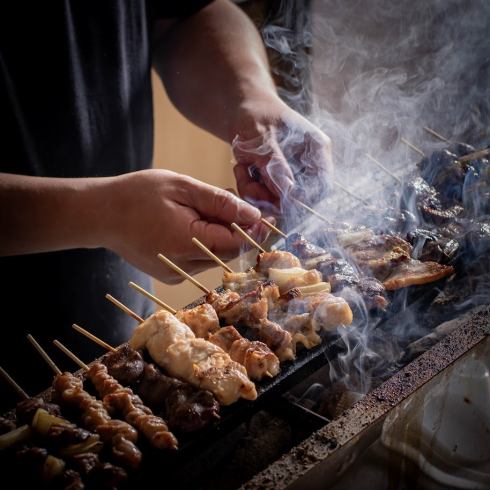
(212, 64)
(40, 214)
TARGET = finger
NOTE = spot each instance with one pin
(214, 204)
(251, 190)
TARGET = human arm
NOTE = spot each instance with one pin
(215, 70)
(136, 215)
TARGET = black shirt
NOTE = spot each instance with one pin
(75, 101)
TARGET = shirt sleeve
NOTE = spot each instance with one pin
(175, 9)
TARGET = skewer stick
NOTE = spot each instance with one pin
(210, 254)
(412, 146)
(124, 308)
(6, 376)
(436, 135)
(347, 191)
(312, 211)
(476, 154)
(44, 355)
(183, 273)
(153, 298)
(70, 354)
(382, 167)
(273, 228)
(247, 237)
(93, 338)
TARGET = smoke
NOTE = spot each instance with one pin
(369, 74)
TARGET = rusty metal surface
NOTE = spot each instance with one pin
(312, 463)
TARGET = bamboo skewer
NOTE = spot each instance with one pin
(476, 154)
(347, 191)
(6, 376)
(247, 237)
(210, 254)
(312, 211)
(123, 307)
(382, 167)
(70, 354)
(412, 146)
(184, 274)
(153, 298)
(273, 228)
(44, 355)
(436, 134)
(94, 338)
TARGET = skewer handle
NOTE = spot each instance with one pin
(436, 134)
(312, 211)
(273, 228)
(210, 254)
(412, 146)
(93, 338)
(382, 167)
(247, 237)
(476, 154)
(124, 308)
(150, 296)
(70, 354)
(6, 376)
(184, 274)
(43, 354)
(347, 191)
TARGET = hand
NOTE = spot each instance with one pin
(160, 211)
(279, 154)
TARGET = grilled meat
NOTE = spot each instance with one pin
(255, 356)
(173, 345)
(126, 365)
(276, 259)
(122, 400)
(428, 245)
(202, 320)
(68, 390)
(241, 282)
(96, 473)
(185, 407)
(415, 272)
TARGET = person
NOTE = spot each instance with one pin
(81, 210)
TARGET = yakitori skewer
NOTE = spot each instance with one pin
(152, 297)
(475, 155)
(124, 308)
(351, 194)
(211, 255)
(43, 354)
(177, 269)
(312, 211)
(436, 134)
(382, 167)
(123, 399)
(94, 338)
(273, 228)
(247, 237)
(6, 376)
(412, 146)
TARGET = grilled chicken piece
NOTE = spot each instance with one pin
(276, 259)
(202, 320)
(251, 310)
(414, 272)
(380, 254)
(258, 359)
(241, 282)
(294, 277)
(173, 345)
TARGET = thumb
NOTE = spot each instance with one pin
(216, 204)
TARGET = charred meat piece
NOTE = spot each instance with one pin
(126, 365)
(428, 245)
(26, 409)
(201, 319)
(339, 273)
(71, 480)
(98, 474)
(122, 400)
(66, 435)
(460, 149)
(186, 407)
(415, 272)
(255, 356)
(196, 408)
(379, 254)
(476, 239)
(303, 248)
(373, 293)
